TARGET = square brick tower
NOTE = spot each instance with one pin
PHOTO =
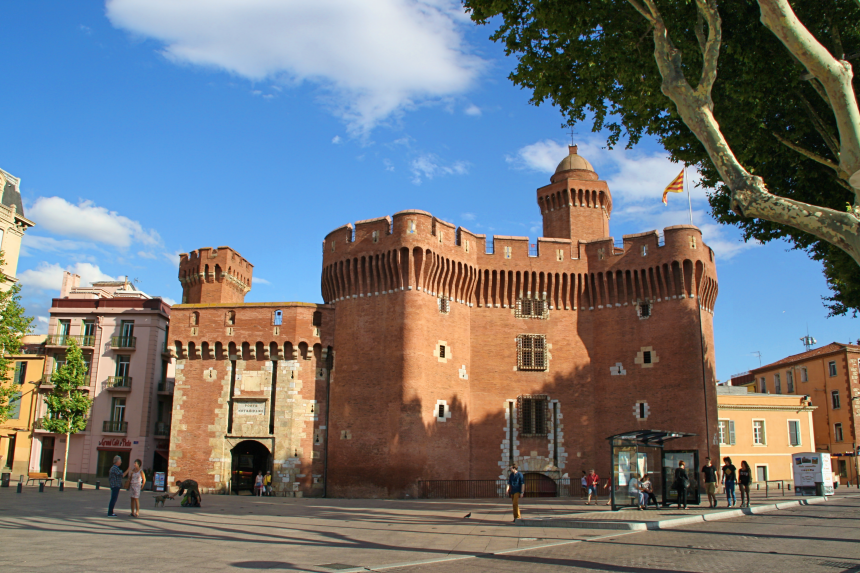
(212, 276)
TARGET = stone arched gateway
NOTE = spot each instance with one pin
(248, 457)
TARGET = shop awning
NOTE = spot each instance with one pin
(654, 438)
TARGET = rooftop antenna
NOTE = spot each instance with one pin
(757, 353)
(807, 340)
(572, 133)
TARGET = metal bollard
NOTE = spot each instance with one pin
(80, 485)
(20, 487)
(41, 487)
(62, 483)
(98, 483)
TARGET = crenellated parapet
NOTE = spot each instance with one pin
(214, 275)
(414, 251)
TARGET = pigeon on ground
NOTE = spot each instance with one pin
(468, 515)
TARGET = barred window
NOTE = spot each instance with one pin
(531, 308)
(444, 305)
(533, 415)
(531, 352)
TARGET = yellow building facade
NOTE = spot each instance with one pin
(830, 377)
(765, 430)
(16, 434)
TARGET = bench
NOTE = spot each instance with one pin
(39, 477)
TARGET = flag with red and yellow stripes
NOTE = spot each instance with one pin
(676, 186)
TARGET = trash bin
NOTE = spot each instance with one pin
(5, 479)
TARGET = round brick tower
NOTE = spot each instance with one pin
(576, 204)
(400, 396)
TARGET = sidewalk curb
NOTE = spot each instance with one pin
(634, 525)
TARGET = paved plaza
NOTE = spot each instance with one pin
(69, 531)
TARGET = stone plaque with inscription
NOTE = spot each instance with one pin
(251, 408)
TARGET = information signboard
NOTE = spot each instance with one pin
(158, 481)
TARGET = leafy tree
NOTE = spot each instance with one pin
(68, 407)
(759, 95)
(13, 326)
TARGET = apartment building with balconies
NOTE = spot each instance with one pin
(122, 332)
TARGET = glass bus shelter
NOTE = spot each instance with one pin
(641, 452)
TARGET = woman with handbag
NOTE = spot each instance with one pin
(134, 483)
(681, 483)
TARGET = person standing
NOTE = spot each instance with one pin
(258, 484)
(137, 479)
(744, 481)
(267, 483)
(584, 483)
(593, 481)
(516, 481)
(729, 478)
(709, 473)
(681, 483)
(608, 488)
(115, 482)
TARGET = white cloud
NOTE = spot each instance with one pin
(168, 300)
(428, 166)
(50, 276)
(389, 166)
(172, 258)
(336, 139)
(47, 244)
(468, 216)
(373, 59)
(86, 220)
(42, 319)
(473, 110)
(146, 255)
(543, 156)
(261, 281)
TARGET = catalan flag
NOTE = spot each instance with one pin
(676, 186)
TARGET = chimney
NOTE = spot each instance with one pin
(572, 149)
(70, 282)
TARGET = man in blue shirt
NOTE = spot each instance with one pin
(115, 481)
(515, 489)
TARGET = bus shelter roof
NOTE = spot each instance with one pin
(652, 438)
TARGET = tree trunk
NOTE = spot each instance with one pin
(66, 459)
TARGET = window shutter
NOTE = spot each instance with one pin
(731, 432)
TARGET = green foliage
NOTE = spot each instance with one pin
(13, 326)
(596, 58)
(68, 407)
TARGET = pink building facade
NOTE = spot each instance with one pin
(121, 331)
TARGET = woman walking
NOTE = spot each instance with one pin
(681, 483)
(137, 479)
(258, 484)
(744, 481)
(729, 479)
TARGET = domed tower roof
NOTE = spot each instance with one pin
(574, 166)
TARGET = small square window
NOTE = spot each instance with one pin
(559, 254)
(644, 310)
(441, 413)
(646, 357)
(332, 246)
(644, 250)
(441, 234)
(531, 352)
(444, 305)
(375, 236)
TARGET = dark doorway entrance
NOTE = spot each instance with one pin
(46, 462)
(249, 458)
(539, 485)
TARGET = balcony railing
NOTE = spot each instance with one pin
(64, 339)
(121, 382)
(162, 428)
(165, 385)
(123, 341)
(37, 425)
(115, 427)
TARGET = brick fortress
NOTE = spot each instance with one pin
(454, 357)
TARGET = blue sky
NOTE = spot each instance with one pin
(145, 128)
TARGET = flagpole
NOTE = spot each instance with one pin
(689, 200)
